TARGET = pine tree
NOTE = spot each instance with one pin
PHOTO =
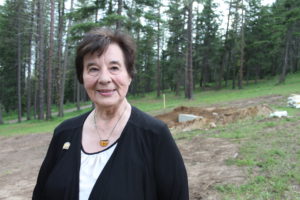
(41, 56)
(174, 54)
(20, 7)
(1, 118)
(206, 43)
(189, 63)
(29, 59)
(14, 20)
(60, 70)
(50, 61)
(291, 19)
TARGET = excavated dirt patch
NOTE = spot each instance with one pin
(210, 117)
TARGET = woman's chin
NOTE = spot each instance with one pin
(107, 104)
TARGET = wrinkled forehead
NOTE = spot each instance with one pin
(113, 53)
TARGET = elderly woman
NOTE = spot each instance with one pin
(115, 151)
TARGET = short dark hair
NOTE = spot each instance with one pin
(98, 40)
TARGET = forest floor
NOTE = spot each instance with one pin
(205, 158)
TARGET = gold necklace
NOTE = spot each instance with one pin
(104, 143)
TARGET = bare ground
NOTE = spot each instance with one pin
(21, 157)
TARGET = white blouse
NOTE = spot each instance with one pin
(91, 167)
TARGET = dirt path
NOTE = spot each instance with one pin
(21, 157)
(53, 114)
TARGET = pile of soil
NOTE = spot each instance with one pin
(210, 117)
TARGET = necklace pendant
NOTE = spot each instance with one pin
(103, 143)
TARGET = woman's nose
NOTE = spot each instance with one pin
(104, 77)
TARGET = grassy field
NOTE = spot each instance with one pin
(270, 152)
(269, 148)
(150, 103)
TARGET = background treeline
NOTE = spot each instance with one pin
(181, 46)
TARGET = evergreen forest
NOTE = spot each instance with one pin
(182, 46)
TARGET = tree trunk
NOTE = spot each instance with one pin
(256, 73)
(297, 62)
(50, 61)
(228, 65)
(158, 69)
(29, 86)
(189, 86)
(285, 64)
(241, 70)
(41, 47)
(148, 79)
(36, 88)
(286, 57)
(205, 64)
(96, 13)
(224, 56)
(297, 54)
(177, 85)
(186, 76)
(233, 77)
(19, 62)
(119, 12)
(1, 118)
(60, 69)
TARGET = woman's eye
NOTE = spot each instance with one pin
(114, 68)
(93, 71)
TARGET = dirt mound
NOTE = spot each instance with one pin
(210, 117)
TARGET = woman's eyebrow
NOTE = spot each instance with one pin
(115, 62)
(90, 64)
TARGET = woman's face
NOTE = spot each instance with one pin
(105, 77)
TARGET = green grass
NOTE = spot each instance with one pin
(270, 151)
(269, 148)
(14, 115)
(36, 126)
(150, 103)
(201, 98)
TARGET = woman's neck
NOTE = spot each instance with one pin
(108, 113)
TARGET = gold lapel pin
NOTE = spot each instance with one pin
(66, 145)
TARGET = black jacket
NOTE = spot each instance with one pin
(146, 164)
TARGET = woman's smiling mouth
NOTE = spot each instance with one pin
(106, 92)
